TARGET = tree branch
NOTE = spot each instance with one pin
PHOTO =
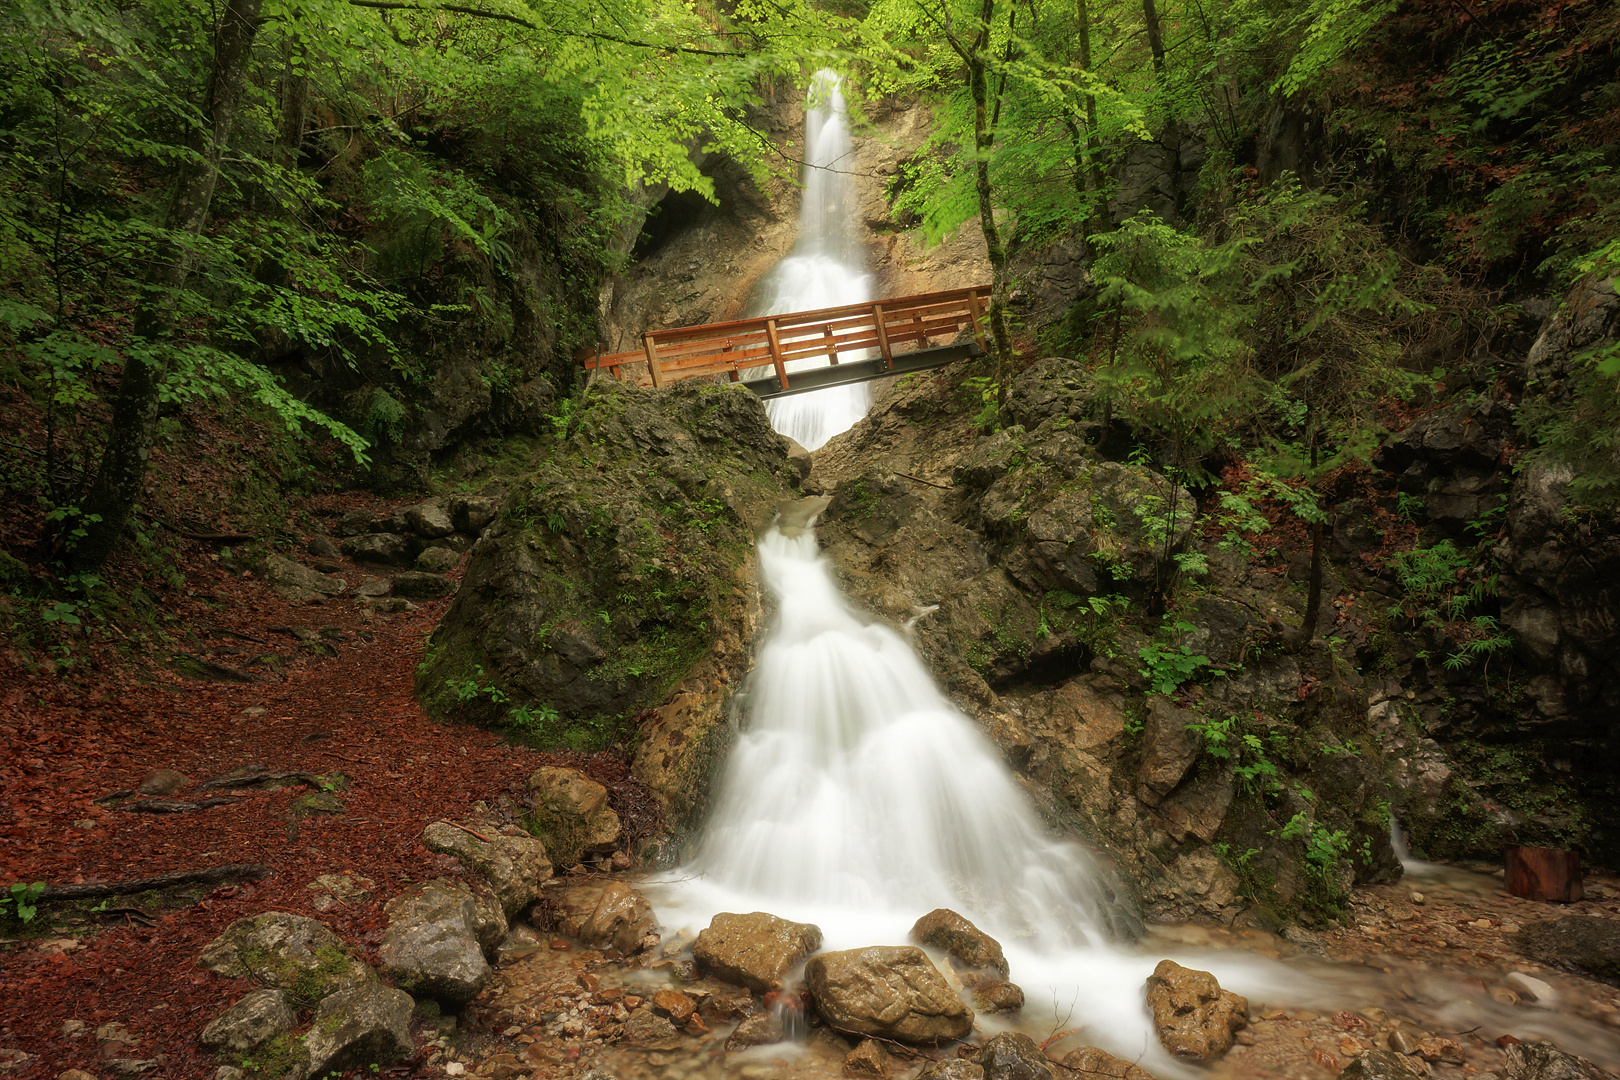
(460, 9)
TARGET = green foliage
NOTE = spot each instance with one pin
(1167, 667)
(1235, 740)
(1332, 27)
(22, 899)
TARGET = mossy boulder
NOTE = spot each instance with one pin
(612, 568)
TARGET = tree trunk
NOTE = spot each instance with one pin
(984, 138)
(1087, 164)
(1171, 134)
(130, 433)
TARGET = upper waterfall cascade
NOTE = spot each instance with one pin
(826, 267)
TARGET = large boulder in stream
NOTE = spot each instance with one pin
(755, 950)
(1196, 1019)
(617, 578)
(887, 992)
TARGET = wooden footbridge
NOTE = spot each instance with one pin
(758, 352)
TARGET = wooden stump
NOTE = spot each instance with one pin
(1544, 873)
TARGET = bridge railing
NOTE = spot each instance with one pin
(893, 327)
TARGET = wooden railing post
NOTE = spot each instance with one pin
(832, 344)
(978, 330)
(652, 359)
(880, 321)
(776, 352)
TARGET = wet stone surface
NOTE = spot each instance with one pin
(1435, 983)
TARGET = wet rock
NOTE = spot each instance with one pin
(1534, 989)
(429, 519)
(952, 1069)
(473, 513)
(437, 560)
(1588, 944)
(889, 992)
(571, 814)
(1090, 1063)
(1012, 1055)
(284, 951)
(515, 866)
(800, 459)
(359, 1027)
(674, 1004)
(1543, 1061)
(1402, 1042)
(258, 1017)
(162, 782)
(998, 997)
(614, 915)
(437, 938)
(755, 950)
(1381, 1065)
(385, 549)
(649, 1030)
(1442, 1050)
(1168, 750)
(1195, 1018)
(417, 585)
(971, 947)
(868, 1061)
(761, 1030)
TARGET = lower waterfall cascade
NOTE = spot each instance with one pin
(857, 798)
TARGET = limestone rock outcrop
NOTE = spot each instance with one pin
(439, 934)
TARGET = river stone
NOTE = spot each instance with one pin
(259, 1016)
(1543, 1061)
(1012, 1055)
(951, 1069)
(1195, 1017)
(755, 950)
(571, 814)
(868, 1061)
(613, 915)
(886, 991)
(1381, 1065)
(1090, 1063)
(356, 1028)
(429, 519)
(438, 934)
(1168, 750)
(998, 996)
(971, 947)
(1585, 943)
(285, 951)
(387, 549)
(515, 866)
(763, 1029)
(647, 1030)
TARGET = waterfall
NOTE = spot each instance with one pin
(826, 267)
(857, 798)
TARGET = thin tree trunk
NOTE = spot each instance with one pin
(130, 433)
(1087, 163)
(1172, 129)
(984, 138)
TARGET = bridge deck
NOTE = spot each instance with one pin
(758, 352)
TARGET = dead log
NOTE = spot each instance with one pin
(1544, 873)
(227, 874)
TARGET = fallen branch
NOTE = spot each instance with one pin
(227, 874)
(466, 830)
(920, 480)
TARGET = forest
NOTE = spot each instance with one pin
(1294, 454)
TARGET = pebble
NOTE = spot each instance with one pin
(1402, 1043)
(1533, 988)
(454, 1068)
(1417, 898)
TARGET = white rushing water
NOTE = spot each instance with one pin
(826, 267)
(857, 798)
